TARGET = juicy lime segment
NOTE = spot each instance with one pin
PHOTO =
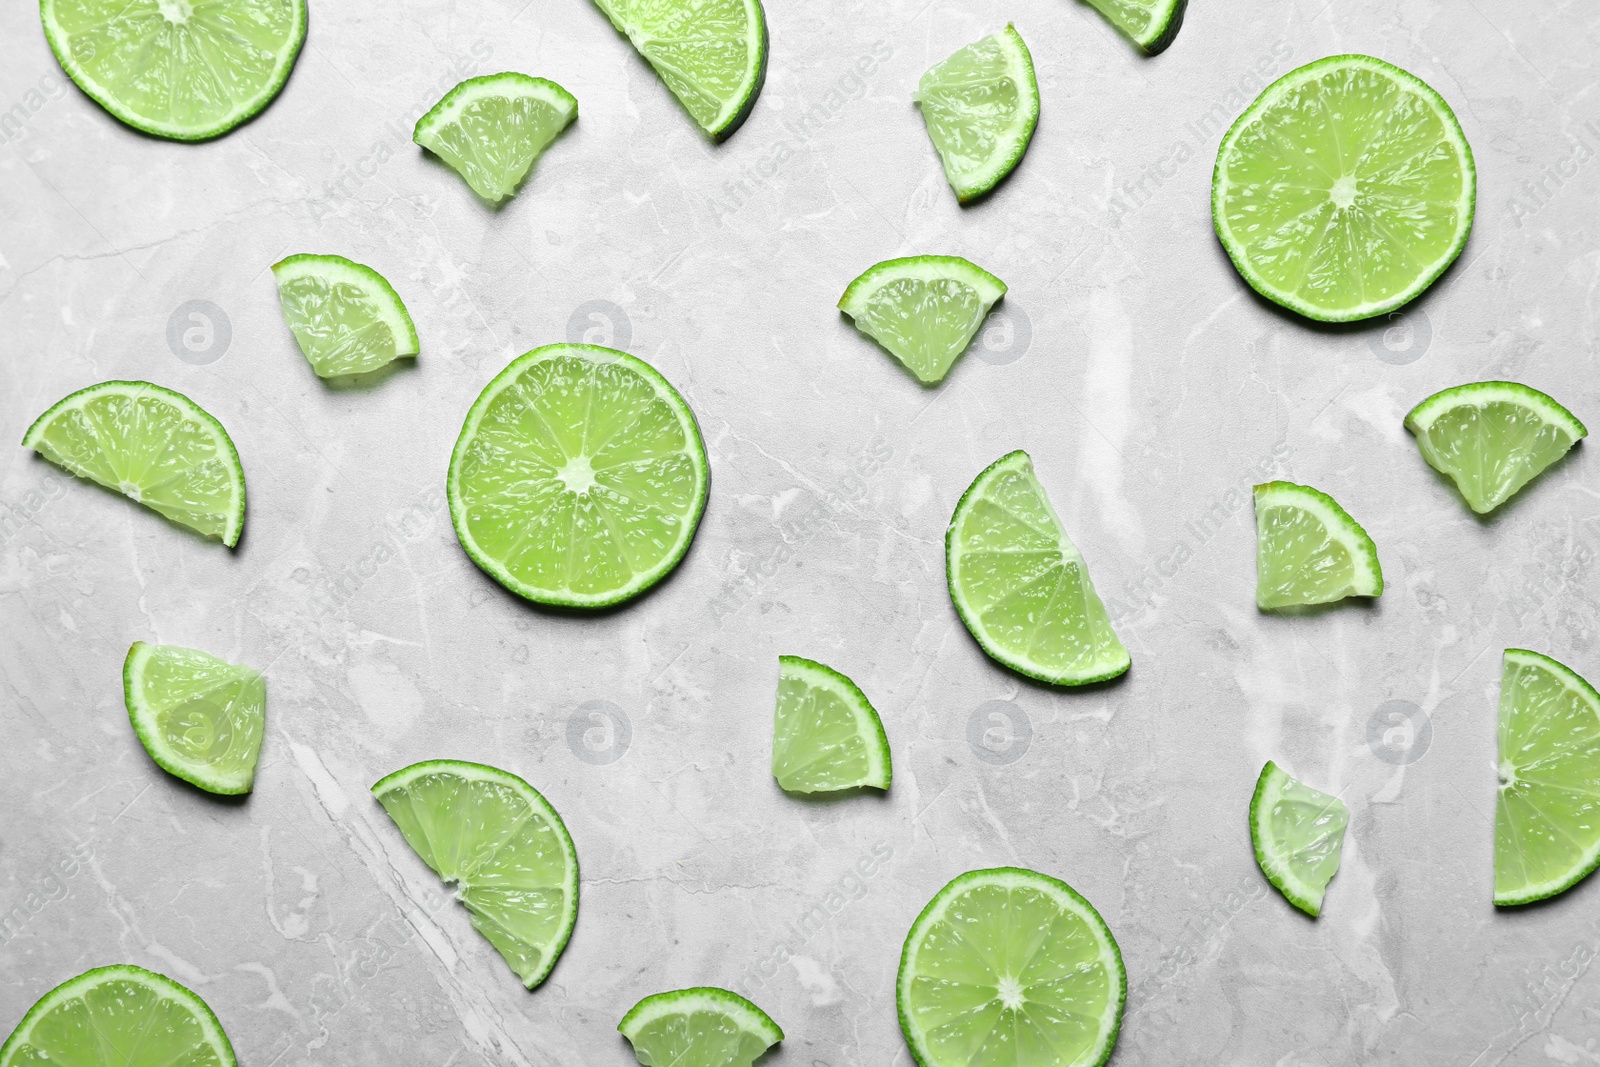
(504, 847)
(1298, 834)
(184, 69)
(1309, 550)
(200, 718)
(826, 734)
(1010, 968)
(152, 445)
(701, 1027)
(492, 129)
(1345, 189)
(345, 316)
(924, 310)
(981, 106)
(1151, 24)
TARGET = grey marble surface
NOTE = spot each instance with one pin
(1151, 387)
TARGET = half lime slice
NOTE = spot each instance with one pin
(826, 734)
(184, 69)
(980, 107)
(1021, 585)
(200, 717)
(1546, 833)
(1345, 189)
(1298, 834)
(1151, 24)
(152, 445)
(700, 1027)
(1309, 550)
(492, 129)
(1492, 438)
(923, 309)
(579, 477)
(345, 316)
(492, 834)
(118, 1016)
(1010, 968)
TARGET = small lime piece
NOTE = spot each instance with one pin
(1151, 24)
(923, 309)
(200, 718)
(980, 107)
(345, 316)
(1309, 550)
(491, 129)
(700, 1027)
(1298, 834)
(826, 734)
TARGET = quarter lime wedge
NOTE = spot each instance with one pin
(1309, 550)
(980, 106)
(826, 734)
(923, 309)
(701, 1027)
(492, 129)
(345, 316)
(1151, 24)
(199, 717)
(1298, 834)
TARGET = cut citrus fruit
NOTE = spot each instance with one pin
(199, 717)
(701, 1027)
(826, 734)
(119, 1016)
(1298, 834)
(345, 316)
(1309, 550)
(1020, 584)
(1492, 438)
(502, 844)
(152, 445)
(184, 69)
(1547, 814)
(1010, 968)
(1345, 189)
(1151, 24)
(923, 309)
(980, 107)
(492, 129)
(712, 54)
(579, 477)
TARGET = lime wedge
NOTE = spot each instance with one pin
(118, 1016)
(579, 477)
(345, 316)
(711, 53)
(1546, 836)
(1298, 834)
(1010, 968)
(981, 106)
(1020, 584)
(199, 717)
(152, 445)
(923, 309)
(1492, 438)
(826, 735)
(184, 69)
(1344, 190)
(491, 129)
(502, 844)
(1309, 550)
(1150, 24)
(701, 1027)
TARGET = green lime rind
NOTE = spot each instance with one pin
(1101, 975)
(1492, 438)
(504, 904)
(83, 36)
(191, 1038)
(493, 128)
(1150, 24)
(181, 698)
(1298, 834)
(1309, 550)
(922, 310)
(662, 1028)
(74, 435)
(999, 64)
(1549, 741)
(830, 737)
(1391, 264)
(372, 327)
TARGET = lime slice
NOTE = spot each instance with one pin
(492, 129)
(1150, 24)
(1309, 550)
(579, 477)
(826, 735)
(1492, 438)
(1546, 837)
(119, 1016)
(1344, 190)
(345, 316)
(711, 53)
(701, 1027)
(981, 106)
(199, 717)
(184, 69)
(502, 844)
(923, 309)
(1298, 833)
(150, 444)
(1010, 968)
(1021, 586)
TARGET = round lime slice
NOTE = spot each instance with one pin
(184, 69)
(1345, 189)
(1298, 834)
(826, 734)
(346, 318)
(1151, 24)
(980, 107)
(579, 477)
(1309, 550)
(924, 310)
(152, 445)
(504, 847)
(492, 129)
(199, 717)
(118, 1016)
(700, 1027)
(1010, 968)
